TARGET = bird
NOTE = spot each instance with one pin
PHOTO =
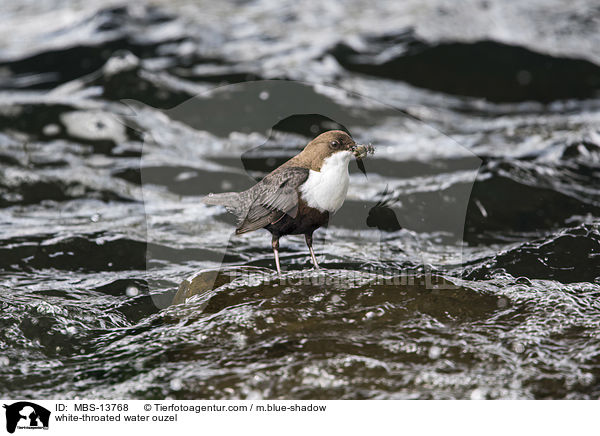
(300, 195)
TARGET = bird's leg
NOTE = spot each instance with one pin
(308, 238)
(275, 245)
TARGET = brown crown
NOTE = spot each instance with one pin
(320, 148)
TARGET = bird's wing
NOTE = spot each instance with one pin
(274, 196)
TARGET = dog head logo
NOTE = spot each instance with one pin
(26, 415)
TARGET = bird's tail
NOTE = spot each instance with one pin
(230, 200)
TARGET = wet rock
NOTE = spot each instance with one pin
(209, 280)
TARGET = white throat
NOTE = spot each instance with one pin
(326, 190)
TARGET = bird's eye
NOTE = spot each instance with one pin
(334, 144)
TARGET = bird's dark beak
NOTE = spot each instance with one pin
(360, 151)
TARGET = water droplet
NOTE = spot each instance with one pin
(94, 218)
(524, 77)
(335, 298)
(478, 394)
(176, 384)
(186, 175)
(132, 291)
(435, 352)
(370, 315)
(264, 95)
(4, 361)
(51, 129)
(502, 302)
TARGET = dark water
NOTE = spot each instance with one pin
(485, 183)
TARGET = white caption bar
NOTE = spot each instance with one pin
(269, 417)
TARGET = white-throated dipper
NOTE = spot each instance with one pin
(297, 197)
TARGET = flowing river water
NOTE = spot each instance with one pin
(465, 263)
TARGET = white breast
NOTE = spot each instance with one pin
(326, 190)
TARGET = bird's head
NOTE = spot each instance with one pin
(331, 143)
